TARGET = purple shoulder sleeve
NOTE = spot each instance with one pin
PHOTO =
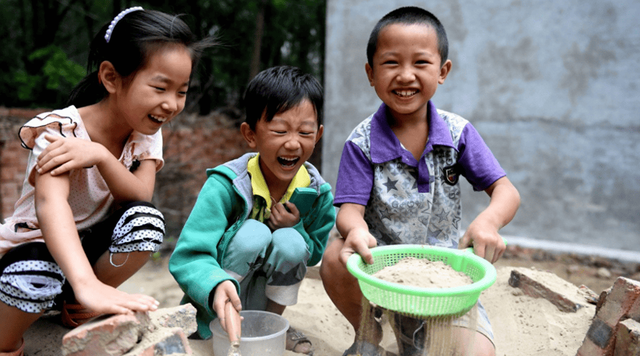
(477, 162)
(355, 176)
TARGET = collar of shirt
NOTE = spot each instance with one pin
(387, 147)
(261, 189)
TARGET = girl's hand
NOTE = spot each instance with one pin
(225, 293)
(67, 153)
(281, 217)
(102, 298)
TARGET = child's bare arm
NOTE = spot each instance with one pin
(483, 230)
(61, 237)
(67, 153)
(351, 225)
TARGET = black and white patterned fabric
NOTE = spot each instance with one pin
(140, 228)
(30, 279)
(31, 285)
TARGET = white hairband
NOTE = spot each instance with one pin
(107, 35)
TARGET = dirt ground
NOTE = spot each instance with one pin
(331, 334)
(321, 319)
(597, 273)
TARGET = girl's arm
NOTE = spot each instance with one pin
(351, 225)
(67, 153)
(483, 230)
(61, 237)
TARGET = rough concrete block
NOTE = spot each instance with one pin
(106, 336)
(182, 316)
(165, 341)
(628, 338)
(540, 285)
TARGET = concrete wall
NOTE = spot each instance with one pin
(552, 86)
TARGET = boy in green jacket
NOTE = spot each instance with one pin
(245, 241)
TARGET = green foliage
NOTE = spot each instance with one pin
(44, 41)
(57, 72)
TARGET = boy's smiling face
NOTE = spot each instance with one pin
(284, 143)
(406, 69)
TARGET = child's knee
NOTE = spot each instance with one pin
(137, 259)
(31, 286)
(253, 236)
(331, 266)
(140, 228)
(289, 246)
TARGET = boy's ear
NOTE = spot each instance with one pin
(444, 71)
(369, 71)
(108, 76)
(319, 134)
(249, 135)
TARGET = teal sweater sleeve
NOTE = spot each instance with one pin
(317, 224)
(195, 262)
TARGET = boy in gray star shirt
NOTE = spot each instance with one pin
(398, 176)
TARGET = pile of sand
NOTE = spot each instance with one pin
(522, 325)
(423, 273)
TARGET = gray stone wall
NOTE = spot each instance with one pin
(552, 86)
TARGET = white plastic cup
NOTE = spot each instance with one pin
(263, 334)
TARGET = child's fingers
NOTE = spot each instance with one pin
(149, 301)
(140, 302)
(51, 138)
(464, 242)
(234, 299)
(293, 208)
(278, 209)
(366, 255)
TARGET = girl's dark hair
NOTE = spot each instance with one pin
(134, 39)
(278, 89)
(409, 15)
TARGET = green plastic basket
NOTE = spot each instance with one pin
(423, 302)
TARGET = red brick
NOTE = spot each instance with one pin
(619, 301)
(602, 335)
(106, 336)
(588, 348)
(634, 311)
(164, 341)
(536, 289)
(628, 338)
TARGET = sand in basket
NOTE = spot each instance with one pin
(419, 335)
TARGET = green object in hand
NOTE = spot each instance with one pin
(417, 301)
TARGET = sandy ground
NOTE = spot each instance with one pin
(522, 325)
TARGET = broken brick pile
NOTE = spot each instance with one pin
(615, 330)
(163, 332)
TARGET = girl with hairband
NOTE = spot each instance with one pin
(84, 222)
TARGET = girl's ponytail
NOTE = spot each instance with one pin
(127, 43)
(87, 92)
